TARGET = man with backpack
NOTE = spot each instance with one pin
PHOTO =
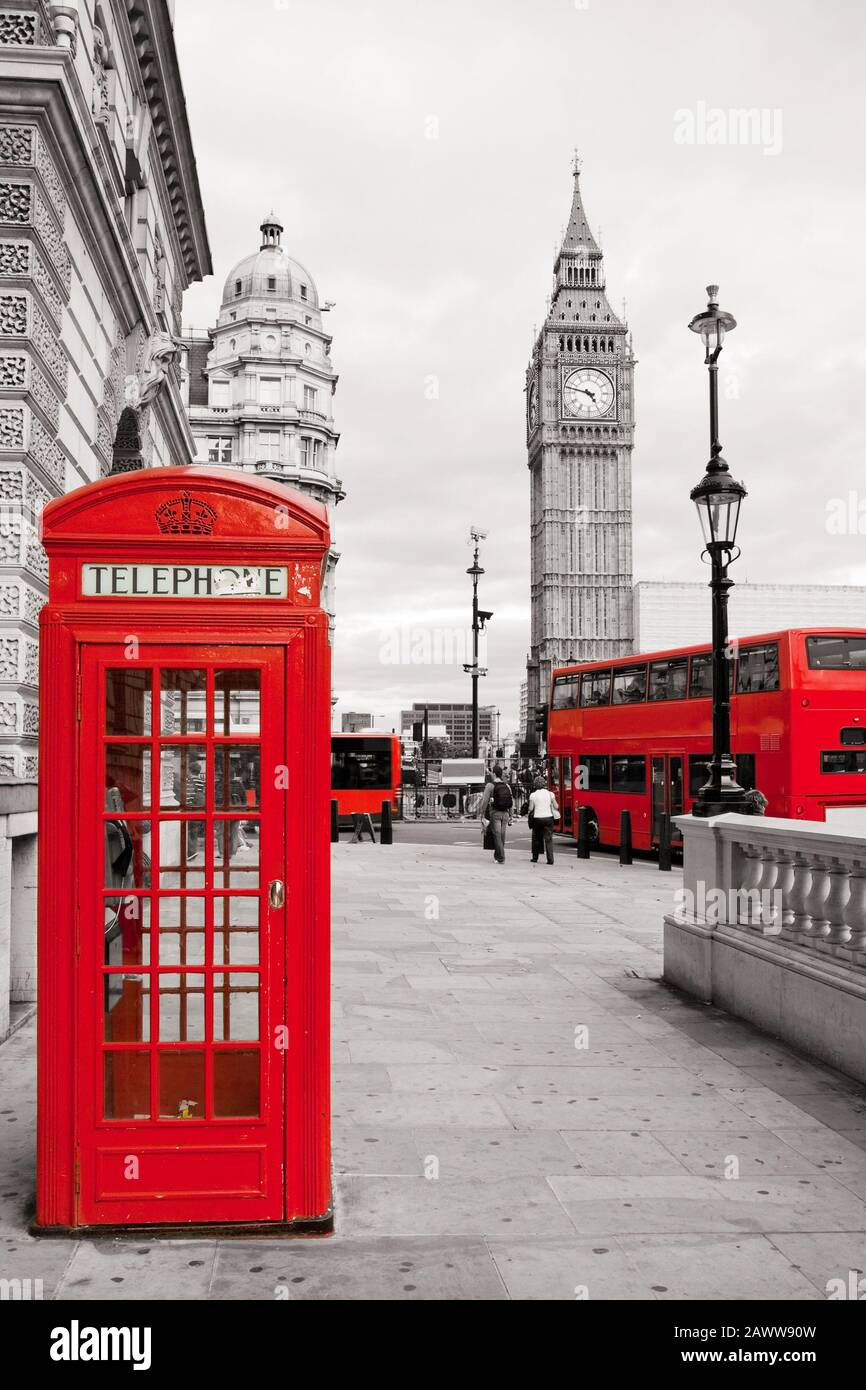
(497, 805)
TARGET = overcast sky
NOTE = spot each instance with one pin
(420, 157)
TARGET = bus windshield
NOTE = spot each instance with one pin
(361, 763)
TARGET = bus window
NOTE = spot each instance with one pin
(594, 689)
(745, 770)
(554, 772)
(701, 675)
(836, 653)
(594, 773)
(565, 692)
(758, 669)
(629, 685)
(843, 762)
(566, 774)
(667, 680)
(628, 775)
(698, 771)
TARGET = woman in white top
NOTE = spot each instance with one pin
(543, 811)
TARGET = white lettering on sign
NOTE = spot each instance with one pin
(184, 581)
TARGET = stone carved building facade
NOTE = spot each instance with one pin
(101, 230)
(580, 434)
(259, 385)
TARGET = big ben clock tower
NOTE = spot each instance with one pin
(580, 434)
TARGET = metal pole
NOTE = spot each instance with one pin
(715, 446)
(475, 654)
(426, 736)
(721, 791)
(722, 761)
(625, 850)
(665, 842)
(583, 833)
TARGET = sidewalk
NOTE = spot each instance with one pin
(521, 1109)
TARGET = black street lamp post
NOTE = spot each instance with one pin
(479, 618)
(718, 497)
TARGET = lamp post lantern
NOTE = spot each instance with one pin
(718, 497)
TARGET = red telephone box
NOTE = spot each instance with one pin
(184, 856)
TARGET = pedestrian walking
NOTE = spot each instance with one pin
(497, 806)
(543, 811)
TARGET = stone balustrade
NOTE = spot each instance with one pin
(771, 924)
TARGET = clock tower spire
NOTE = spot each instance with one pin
(580, 434)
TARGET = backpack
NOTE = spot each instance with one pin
(501, 797)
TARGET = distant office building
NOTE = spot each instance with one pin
(353, 722)
(524, 708)
(455, 719)
(679, 614)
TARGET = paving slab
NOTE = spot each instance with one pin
(522, 1109)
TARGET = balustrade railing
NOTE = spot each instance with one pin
(798, 882)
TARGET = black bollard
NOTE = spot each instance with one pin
(583, 833)
(335, 824)
(665, 843)
(625, 837)
(386, 831)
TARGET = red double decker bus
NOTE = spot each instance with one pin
(366, 769)
(635, 734)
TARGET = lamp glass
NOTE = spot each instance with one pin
(713, 334)
(719, 515)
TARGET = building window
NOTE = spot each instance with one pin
(269, 445)
(233, 316)
(309, 398)
(238, 288)
(306, 451)
(220, 394)
(317, 453)
(219, 448)
(303, 291)
(269, 390)
(272, 282)
(307, 319)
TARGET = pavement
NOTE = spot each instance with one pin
(522, 1109)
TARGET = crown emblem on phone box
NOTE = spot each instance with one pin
(185, 515)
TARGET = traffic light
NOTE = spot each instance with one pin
(541, 720)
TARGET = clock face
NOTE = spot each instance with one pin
(533, 407)
(587, 394)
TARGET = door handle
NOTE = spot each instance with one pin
(276, 892)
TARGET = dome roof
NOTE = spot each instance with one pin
(270, 263)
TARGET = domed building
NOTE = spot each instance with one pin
(258, 387)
